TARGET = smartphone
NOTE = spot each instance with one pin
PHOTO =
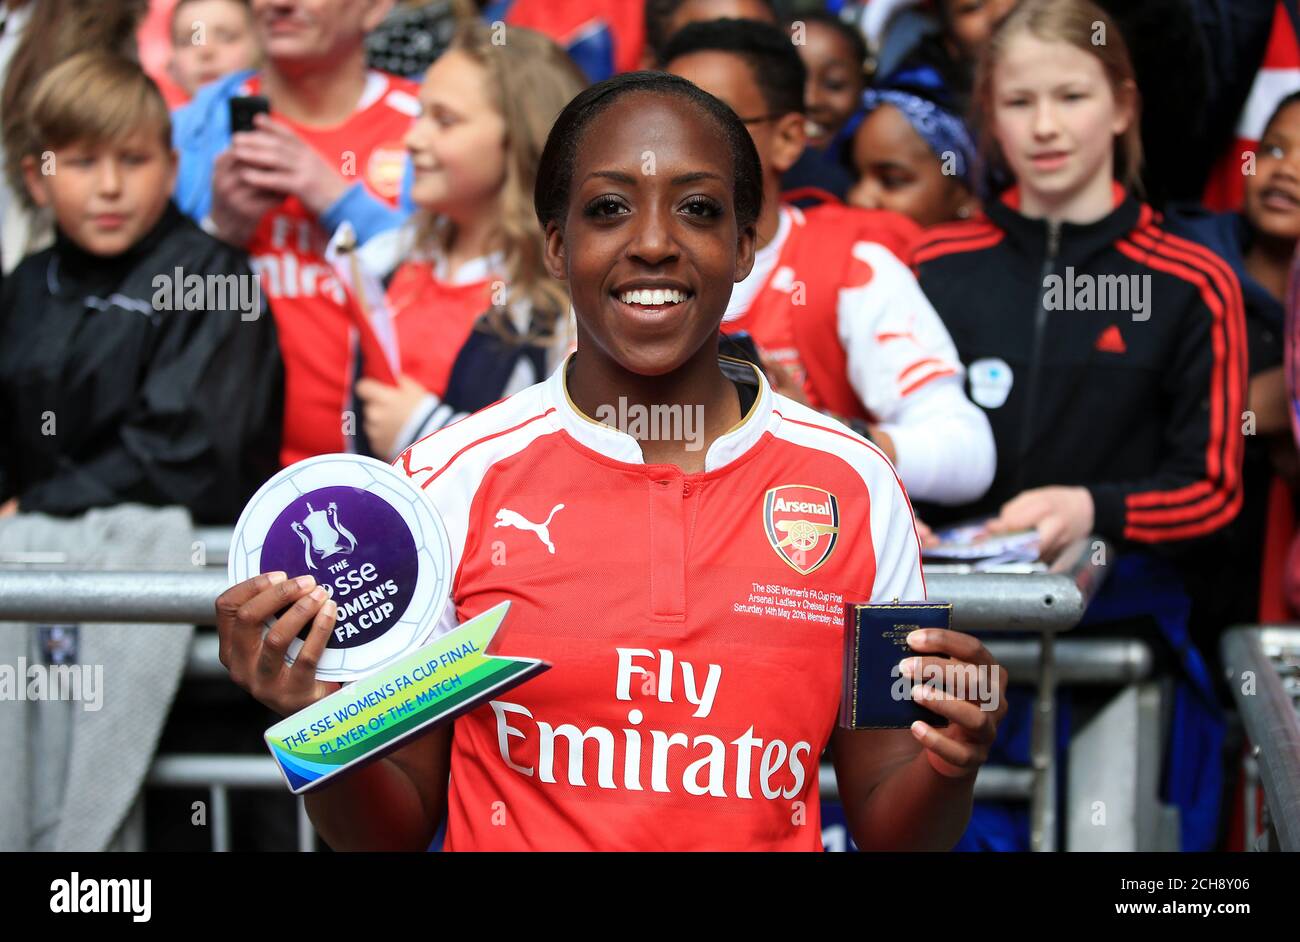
(242, 109)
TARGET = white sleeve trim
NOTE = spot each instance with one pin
(451, 465)
(904, 368)
(943, 444)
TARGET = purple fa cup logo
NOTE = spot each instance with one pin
(369, 537)
(369, 570)
(326, 534)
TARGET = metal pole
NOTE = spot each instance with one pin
(306, 832)
(55, 596)
(1271, 720)
(220, 819)
(1042, 812)
(1032, 603)
(1250, 797)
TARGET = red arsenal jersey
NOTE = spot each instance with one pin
(693, 621)
(831, 289)
(435, 315)
(288, 250)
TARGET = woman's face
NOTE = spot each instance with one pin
(898, 171)
(835, 82)
(650, 246)
(1055, 117)
(457, 144)
(1272, 201)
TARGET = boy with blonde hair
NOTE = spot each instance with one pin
(138, 360)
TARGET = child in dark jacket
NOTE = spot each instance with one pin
(1258, 243)
(138, 359)
(1110, 358)
(1108, 354)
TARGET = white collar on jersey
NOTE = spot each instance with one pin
(376, 84)
(612, 443)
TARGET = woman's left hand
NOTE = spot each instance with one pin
(960, 748)
(1061, 515)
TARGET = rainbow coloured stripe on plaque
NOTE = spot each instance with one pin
(363, 721)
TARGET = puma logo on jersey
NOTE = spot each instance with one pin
(508, 518)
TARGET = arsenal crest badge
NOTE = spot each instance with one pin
(802, 524)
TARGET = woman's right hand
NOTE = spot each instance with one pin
(257, 663)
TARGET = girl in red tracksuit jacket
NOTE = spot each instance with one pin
(1109, 355)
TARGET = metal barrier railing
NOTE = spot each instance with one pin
(1040, 603)
(1256, 658)
(220, 773)
(1111, 662)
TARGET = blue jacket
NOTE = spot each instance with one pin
(201, 131)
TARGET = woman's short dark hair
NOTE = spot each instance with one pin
(555, 170)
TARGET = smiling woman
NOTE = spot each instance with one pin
(626, 552)
(650, 220)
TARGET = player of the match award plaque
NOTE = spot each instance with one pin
(367, 534)
(369, 537)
